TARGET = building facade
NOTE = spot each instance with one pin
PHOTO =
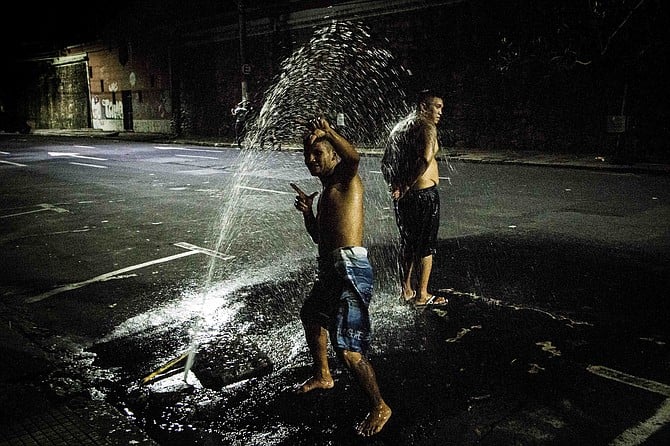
(188, 80)
(531, 77)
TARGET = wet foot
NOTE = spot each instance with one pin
(315, 383)
(374, 421)
(408, 296)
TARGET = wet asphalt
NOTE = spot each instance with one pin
(545, 340)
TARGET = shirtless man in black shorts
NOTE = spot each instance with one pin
(410, 167)
(337, 306)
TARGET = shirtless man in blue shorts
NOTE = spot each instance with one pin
(337, 306)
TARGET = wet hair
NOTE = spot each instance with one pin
(305, 141)
(424, 97)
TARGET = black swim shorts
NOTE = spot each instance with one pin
(418, 217)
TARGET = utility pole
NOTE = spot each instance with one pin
(245, 69)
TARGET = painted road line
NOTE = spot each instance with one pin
(103, 277)
(198, 156)
(44, 206)
(192, 249)
(641, 432)
(4, 153)
(187, 149)
(209, 252)
(635, 381)
(83, 147)
(266, 190)
(76, 155)
(88, 165)
(12, 164)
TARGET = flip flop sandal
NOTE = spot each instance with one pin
(433, 302)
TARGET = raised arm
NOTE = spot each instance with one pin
(344, 149)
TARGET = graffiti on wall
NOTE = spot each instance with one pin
(96, 111)
(106, 109)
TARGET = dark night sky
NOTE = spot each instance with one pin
(52, 24)
(32, 26)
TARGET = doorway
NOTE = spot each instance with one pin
(127, 101)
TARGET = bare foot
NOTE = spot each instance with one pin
(374, 421)
(315, 383)
(408, 295)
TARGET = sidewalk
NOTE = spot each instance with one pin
(33, 415)
(564, 160)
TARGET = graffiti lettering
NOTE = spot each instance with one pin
(111, 110)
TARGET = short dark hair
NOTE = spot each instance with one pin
(424, 96)
(306, 144)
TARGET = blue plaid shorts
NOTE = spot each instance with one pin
(340, 298)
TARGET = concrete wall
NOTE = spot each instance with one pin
(130, 88)
(54, 95)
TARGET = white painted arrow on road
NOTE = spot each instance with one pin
(76, 155)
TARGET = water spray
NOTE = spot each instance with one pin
(339, 74)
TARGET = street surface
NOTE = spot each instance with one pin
(121, 257)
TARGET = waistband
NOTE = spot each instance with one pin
(425, 189)
(346, 252)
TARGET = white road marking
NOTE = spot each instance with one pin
(70, 231)
(13, 164)
(88, 165)
(76, 155)
(103, 277)
(44, 206)
(209, 252)
(265, 190)
(192, 249)
(4, 153)
(635, 381)
(198, 156)
(201, 172)
(187, 149)
(84, 147)
(641, 432)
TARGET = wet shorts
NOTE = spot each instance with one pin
(418, 217)
(340, 298)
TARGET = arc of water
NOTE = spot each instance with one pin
(339, 71)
